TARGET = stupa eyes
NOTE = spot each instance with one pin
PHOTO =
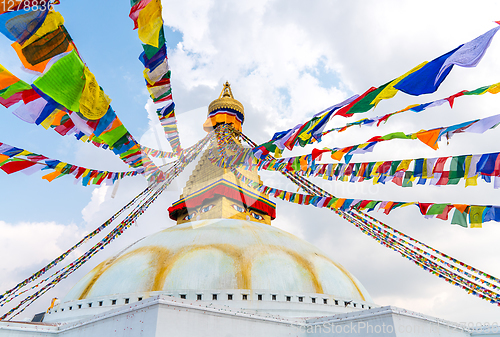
(206, 208)
(257, 216)
(238, 208)
(189, 216)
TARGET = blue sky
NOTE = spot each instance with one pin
(286, 60)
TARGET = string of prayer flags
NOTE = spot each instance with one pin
(166, 115)
(477, 216)
(404, 173)
(493, 89)
(157, 153)
(13, 159)
(147, 18)
(423, 248)
(7, 296)
(445, 267)
(428, 137)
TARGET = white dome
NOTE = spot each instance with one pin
(220, 254)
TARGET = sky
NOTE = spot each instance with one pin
(286, 61)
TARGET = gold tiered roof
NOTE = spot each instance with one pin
(225, 110)
(226, 101)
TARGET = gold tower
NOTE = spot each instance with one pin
(213, 191)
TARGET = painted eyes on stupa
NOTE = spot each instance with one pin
(189, 216)
(206, 208)
(238, 208)
(257, 216)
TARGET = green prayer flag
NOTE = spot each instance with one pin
(478, 91)
(371, 204)
(64, 82)
(457, 170)
(436, 209)
(406, 180)
(459, 218)
(365, 104)
(394, 166)
(394, 135)
(111, 137)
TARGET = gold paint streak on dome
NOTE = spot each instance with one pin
(104, 266)
(349, 276)
(243, 278)
(226, 100)
(307, 265)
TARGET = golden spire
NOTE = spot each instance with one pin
(225, 110)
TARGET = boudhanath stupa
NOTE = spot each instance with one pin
(224, 270)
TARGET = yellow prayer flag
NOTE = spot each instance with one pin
(60, 166)
(389, 91)
(47, 122)
(94, 102)
(469, 180)
(150, 22)
(404, 165)
(472, 181)
(494, 89)
(424, 169)
(476, 216)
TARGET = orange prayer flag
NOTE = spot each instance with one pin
(51, 176)
(461, 208)
(339, 203)
(3, 158)
(429, 137)
(337, 155)
(6, 78)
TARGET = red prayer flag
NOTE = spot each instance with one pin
(29, 95)
(451, 99)
(317, 153)
(16, 165)
(424, 206)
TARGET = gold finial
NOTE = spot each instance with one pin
(226, 91)
(226, 100)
